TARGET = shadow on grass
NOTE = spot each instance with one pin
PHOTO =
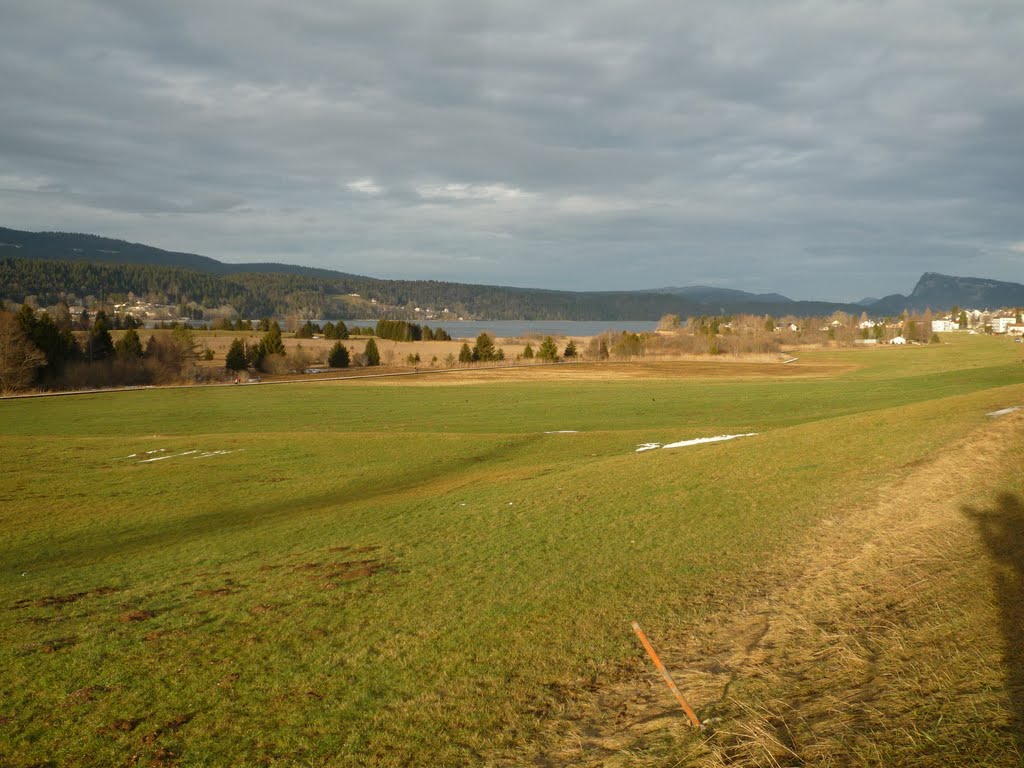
(1002, 529)
(124, 542)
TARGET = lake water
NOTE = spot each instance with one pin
(470, 329)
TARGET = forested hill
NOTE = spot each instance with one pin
(73, 246)
(268, 294)
(49, 265)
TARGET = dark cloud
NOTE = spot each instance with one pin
(817, 149)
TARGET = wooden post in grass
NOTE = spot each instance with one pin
(668, 678)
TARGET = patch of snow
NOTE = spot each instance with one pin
(695, 441)
(562, 432)
(195, 453)
(206, 454)
(699, 440)
(1004, 411)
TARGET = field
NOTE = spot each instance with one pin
(436, 571)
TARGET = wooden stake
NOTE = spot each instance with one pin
(668, 678)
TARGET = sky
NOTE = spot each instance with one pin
(830, 150)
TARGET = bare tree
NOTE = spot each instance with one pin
(19, 357)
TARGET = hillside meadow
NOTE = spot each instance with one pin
(355, 573)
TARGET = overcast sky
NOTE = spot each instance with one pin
(819, 149)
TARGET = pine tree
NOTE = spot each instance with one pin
(570, 350)
(465, 354)
(272, 343)
(129, 347)
(372, 355)
(484, 349)
(528, 352)
(338, 356)
(236, 358)
(99, 345)
(548, 349)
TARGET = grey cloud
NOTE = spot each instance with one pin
(826, 149)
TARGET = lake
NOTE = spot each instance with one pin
(470, 329)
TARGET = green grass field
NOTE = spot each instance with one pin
(349, 574)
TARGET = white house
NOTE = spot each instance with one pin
(897, 340)
(1017, 329)
(943, 326)
(1001, 322)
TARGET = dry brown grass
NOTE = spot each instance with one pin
(643, 369)
(883, 641)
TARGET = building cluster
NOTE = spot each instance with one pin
(1002, 322)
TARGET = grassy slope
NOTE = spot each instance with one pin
(505, 562)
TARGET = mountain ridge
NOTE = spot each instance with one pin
(266, 279)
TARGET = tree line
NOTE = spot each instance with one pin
(40, 350)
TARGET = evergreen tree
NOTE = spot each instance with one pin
(185, 345)
(465, 354)
(484, 349)
(255, 354)
(305, 331)
(99, 344)
(372, 355)
(236, 358)
(272, 343)
(338, 356)
(129, 347)
(548, 349)
(602, 351)
(528, 352)
(329, 330)
(62, 316)
(56, 342)
(340, 330)
(962, 319)
(570, 350)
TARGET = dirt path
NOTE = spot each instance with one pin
(893, 637)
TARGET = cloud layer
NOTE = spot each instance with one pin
(832, 150)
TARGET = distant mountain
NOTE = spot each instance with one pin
(48, 264)
(707, 294)
(867, 302)
(73, 246)
(942, 292)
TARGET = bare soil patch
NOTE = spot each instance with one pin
(131, 617)
(61, 600)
